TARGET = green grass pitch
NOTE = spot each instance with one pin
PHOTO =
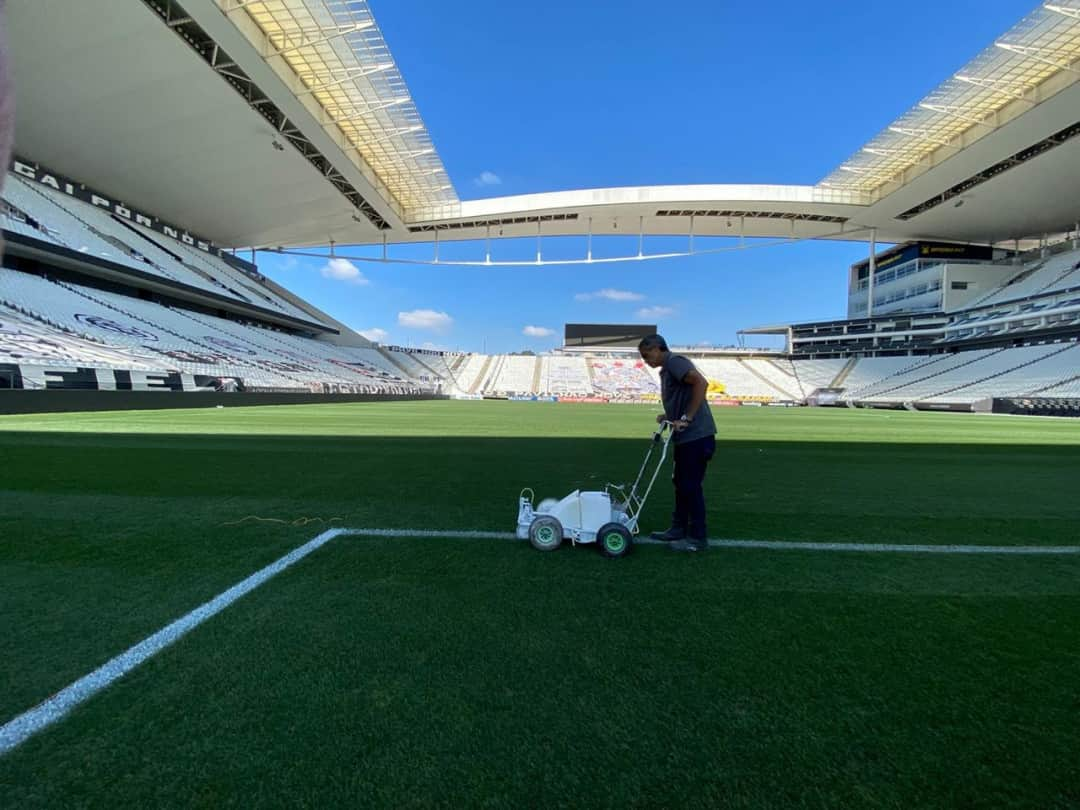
(462, 673)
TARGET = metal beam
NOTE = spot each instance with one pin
(320, 35)
(1063, 10)
(343, 114)
(995, 86)
(952, 113)
(239, 4)
(1034, 54)
(353, 75)
(921, 135)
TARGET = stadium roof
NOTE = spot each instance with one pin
(286, 123)
(335, 50)
(1001, 83)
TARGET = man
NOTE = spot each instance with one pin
(682, 390)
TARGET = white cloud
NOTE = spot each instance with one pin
(610, 295)
(537, 331)
(374, 334)
(344, 270)
(487, 179)
(655, 312)
(425, 319)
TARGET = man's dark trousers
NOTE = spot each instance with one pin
(691, 459)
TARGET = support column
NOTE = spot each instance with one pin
(872, 268)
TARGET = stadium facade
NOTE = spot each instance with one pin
(287, 124)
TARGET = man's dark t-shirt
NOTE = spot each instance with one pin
(676, 396)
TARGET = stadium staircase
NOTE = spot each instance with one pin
(488, 385)
(788, 370)
(456, 367)
(845, 372)
(592, 375)
(435, 375)
(481, 376)
(537, 374)
(771, 384)
(389, 357)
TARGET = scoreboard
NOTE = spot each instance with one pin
(614, 335)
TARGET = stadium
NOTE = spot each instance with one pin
(253, 557)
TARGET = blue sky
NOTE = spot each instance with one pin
(522, 98)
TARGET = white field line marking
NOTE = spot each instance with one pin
(45, 714)
(792, 545)
(18, 730)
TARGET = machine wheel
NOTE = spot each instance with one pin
(545, 533)
(614, 540)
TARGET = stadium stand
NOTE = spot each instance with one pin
(564, 375)
(626, 379)
(741, 381)
(40, 212)
(965, 376)
(814, 374)
(515, 376)
(57, 322)
(152, 335)
(470, 373)
(1042, 276)
(25, 340)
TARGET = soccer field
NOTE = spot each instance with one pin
(437, 672)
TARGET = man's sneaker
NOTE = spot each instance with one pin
(689, 545)
(671, 535)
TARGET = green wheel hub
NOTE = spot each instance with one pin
(546, 535)
(614, 542)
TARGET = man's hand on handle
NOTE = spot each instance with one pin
(677, 425)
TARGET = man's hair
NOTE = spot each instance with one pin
(652, 342)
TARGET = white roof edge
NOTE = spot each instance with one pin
(708, 195)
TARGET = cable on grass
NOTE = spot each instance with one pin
(300, 521)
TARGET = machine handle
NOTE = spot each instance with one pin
(666, 424)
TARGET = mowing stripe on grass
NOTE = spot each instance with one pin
(45, 714)
(17, 731)
(794, 545)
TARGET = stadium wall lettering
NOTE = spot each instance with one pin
(58, 182)
(29, 376)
